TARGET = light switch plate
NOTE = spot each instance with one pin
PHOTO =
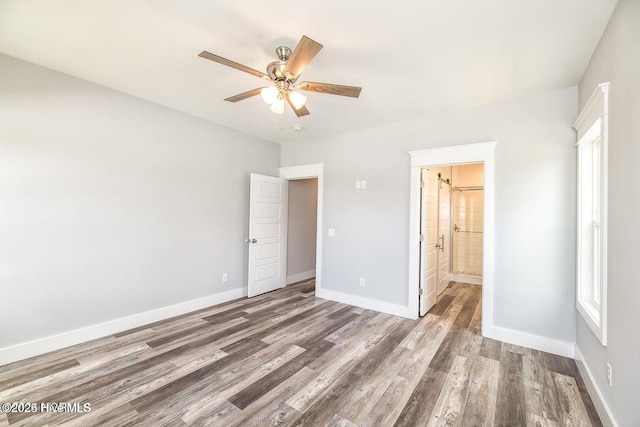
(332, 232)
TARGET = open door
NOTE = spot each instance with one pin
(267, 234)
(428, 295)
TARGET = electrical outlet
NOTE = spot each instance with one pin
(225, 277)
(362, 282)
(363, 184)
(609, 375)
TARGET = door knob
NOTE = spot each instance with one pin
(251, 240)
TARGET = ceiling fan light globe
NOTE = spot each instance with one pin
(297, 99)
(277, 106)
(269, 94)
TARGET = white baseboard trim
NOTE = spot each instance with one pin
(537, 342)
(66, 339)
(371, 304)
(594, 391)
(474, 280)
(294, 278)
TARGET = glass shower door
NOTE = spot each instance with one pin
(467, 231)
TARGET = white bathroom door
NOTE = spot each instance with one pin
(429, 230)
(267, 234)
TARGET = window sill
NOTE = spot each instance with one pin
(590, 312)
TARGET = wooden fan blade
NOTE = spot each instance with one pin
(302, 111)
(244, 95)
(306, 50)
(229, 63)
(331, 89)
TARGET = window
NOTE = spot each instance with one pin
(591, 272)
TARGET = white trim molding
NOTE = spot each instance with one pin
(469, 153)
(315, 170)
(305, 275)
(536, 342)
(474, 280)
(606, 416)
(66, 339)
(455, 155)
(592, 125)
(368, 303)
(597, 105)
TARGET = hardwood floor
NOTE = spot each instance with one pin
(289, 358)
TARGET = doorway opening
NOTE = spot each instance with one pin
(301, 230)
(451, 224)
(268, 223)
(307, 182)
(482, 153)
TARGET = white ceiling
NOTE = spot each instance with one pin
(410, 57)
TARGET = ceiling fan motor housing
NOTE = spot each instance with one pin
(275, 70)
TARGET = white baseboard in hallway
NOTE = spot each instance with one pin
(295, 278)
(473, 280)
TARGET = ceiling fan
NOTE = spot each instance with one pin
(284, 74)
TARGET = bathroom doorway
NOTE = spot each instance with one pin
(483, 153)
(451, 229)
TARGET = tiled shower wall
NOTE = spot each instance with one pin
(467, 219)
(467, 234)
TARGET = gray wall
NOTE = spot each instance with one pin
(534, 208)
(112, 206)
(301, 233)
(617, 60)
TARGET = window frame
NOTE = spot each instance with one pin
(591, 233)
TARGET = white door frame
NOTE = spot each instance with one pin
(455, 155)
(315, 170)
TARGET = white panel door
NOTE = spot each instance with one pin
(429, 230)
(444, 236)
(267, 234)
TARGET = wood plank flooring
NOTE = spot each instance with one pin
(288, 358)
